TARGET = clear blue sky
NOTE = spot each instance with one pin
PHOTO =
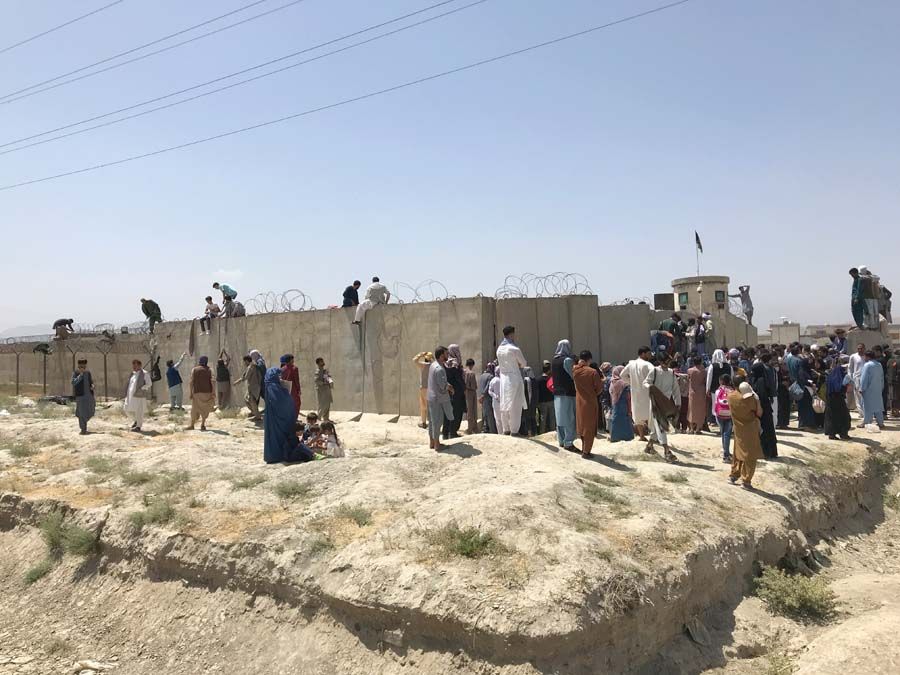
(770, 126)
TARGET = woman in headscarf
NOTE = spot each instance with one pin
(203, 397)
(621, 428)
(745, 410)
(761, 384)
(290, 374)
(456, 379)
(717, 368)
(837, 416)
(280, 440)
(562, 368)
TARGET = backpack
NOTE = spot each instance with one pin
(155, 374)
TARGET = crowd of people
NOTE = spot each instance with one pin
(742, 394)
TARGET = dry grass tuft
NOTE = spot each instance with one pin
(468, 542)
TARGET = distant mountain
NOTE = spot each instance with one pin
(26, 331)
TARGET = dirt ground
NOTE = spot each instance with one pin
(499, 555)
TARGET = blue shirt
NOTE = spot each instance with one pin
(173, 377)
(227, 291)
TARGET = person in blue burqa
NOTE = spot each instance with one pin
(281, 443)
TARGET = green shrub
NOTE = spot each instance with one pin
(79, 541)
(100, 465)
(804, 599)
(135, 478)
(171, 481)
(675, 477)
(53, 533)
(358, 514)
(158, 512)
(599, 494)
(599, 480)
(468, 542)
(39, 570)
(21, 450)
(291, 489)
(247, 482)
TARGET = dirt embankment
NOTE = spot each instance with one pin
(499, 556)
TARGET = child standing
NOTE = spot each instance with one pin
(722, 412)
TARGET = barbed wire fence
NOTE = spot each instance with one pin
(552, 285)
(270, 302)
(429, 290)
(643, 300)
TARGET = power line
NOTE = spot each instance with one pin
(355, 99)
(234, 74)
(59, 27)
(8, 98)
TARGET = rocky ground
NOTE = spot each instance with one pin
(499, 555)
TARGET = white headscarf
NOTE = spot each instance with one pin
(563, 348)
(718, 358)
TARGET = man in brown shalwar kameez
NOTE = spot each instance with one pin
(588, 385)
(203, 398)
(745, 413)
(697, 408)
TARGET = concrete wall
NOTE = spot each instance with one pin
(375, 375)
(623, 328)
(542, 322)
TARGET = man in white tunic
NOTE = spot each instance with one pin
(512, 386)
(663, 378)
(634, 375)
(854, 370)
(136, 394)
(376, 294)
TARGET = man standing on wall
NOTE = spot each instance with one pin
(136, 394)
(376, 294)
(62, 328)
(83, 390)
(511, 361)
(634, 375)
(152, 311)
(351, 294)
(324, 386)
(746, 302)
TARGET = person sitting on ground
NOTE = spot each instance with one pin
(351, 294)
(280, 441)
(326, 441)
(723, 414)
(227, 291)
(745, 413)
(311, 427)
(376, 294)
(201, 391)
(211, 312)
(152, 311)
(63, 328)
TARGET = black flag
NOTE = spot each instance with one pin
(699, 243)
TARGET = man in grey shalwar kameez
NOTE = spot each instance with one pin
(83, 390)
